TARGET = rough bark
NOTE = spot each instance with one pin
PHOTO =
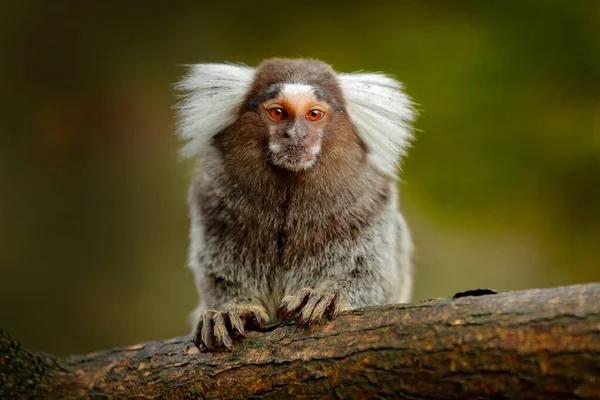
(531, 344)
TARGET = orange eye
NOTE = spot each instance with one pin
(315, 115)
(277, 113)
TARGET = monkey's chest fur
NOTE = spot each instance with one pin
(260, 243)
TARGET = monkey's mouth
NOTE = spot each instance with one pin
(294, 157)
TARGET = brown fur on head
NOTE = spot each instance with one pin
(293, 147)
(300, 112)
(281, 70)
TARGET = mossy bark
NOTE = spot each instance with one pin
(532, 344)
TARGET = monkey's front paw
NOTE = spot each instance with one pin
(215, 328)
(311, 305)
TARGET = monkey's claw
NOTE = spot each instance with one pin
(215, 328)
(311, 305)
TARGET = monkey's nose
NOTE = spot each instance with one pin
(295, 133)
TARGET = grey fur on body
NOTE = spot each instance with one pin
(374, 267)
(255, 241)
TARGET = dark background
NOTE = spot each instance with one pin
(501, 189)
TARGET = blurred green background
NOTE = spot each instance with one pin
(501, 189)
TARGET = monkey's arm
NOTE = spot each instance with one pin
(363, 281)
(228, 302)
(379, 272)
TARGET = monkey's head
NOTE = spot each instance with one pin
(293, 113)
(298, 103)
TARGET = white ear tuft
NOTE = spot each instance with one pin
(213, 95)
(381, 114)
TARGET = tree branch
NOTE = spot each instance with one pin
(530, 344)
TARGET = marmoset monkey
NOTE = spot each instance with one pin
(293, 207)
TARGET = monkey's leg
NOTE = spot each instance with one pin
(311, 305)
(215, 327)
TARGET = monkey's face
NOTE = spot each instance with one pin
(296, 118)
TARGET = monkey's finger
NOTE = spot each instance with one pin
(253, 320)
(260, 315)
(218, 328)
(283, 310)
(198, 333)
(236, 322)
(336, 304)
(308, 309)
(290, 305)
(235, 319)
(320, 308)
(208, 334)
(220, 331)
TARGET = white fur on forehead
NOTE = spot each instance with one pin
(381, 114)
(294, 90)
(213, 95)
